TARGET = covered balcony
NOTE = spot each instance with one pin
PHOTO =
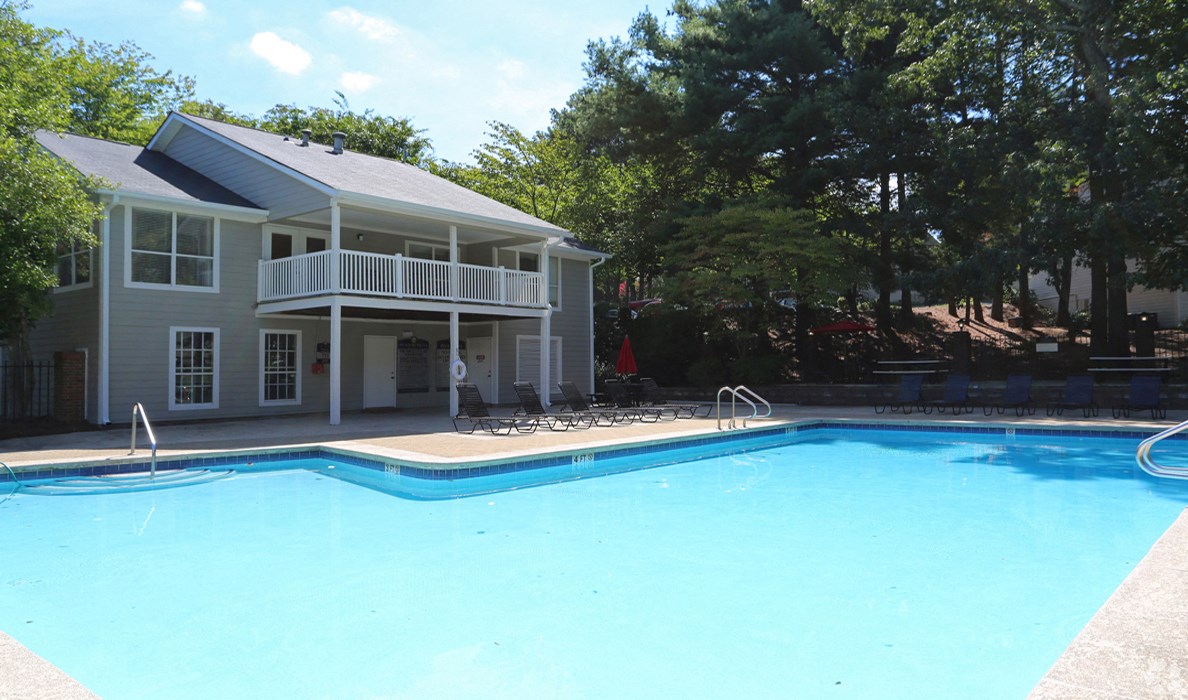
(365, 274)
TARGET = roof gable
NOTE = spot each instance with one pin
(135, 170)
(356, 173)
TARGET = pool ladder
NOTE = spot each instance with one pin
(740, 393)
(1149, 465)
(138, 410)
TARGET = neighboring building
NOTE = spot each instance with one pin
(1171, 307)
(244, 273)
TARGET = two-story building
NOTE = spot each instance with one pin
(246, 273)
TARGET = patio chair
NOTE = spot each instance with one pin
(473, 410)
(1016, 395)
(956, 396)
(1078, 393)
(531, 406)
(619, 396)
(1143, 396)
(908, 397)
(577, 403)
(652, 396)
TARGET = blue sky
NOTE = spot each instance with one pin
(450, 66)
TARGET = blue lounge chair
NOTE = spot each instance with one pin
(1143, 396)
(908, 397)
(956, 396)
(1078, 393)
(1017, 395)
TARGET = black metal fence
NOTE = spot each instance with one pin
(26, 391)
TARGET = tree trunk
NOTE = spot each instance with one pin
(905, 295)
(1023, 301)
(884, 272)
(953, 307)
(979, 315)
(1063, 291)
(1098, 312)
(996, 301)
(1119, 338)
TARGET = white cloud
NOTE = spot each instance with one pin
(511, 69)
(373, 28)
(356, 82)
(285, 56)
(193, 7)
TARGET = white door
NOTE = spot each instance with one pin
(480, 368)
(379, 371)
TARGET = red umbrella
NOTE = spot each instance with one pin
(626, 363)
(842, 327)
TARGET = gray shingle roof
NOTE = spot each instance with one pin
(369, 175)
(135, 170)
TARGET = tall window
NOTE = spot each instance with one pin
(280, 367)
(530, 262)
(194, 375)
(427, 251)
(74, 266)
(168, 249)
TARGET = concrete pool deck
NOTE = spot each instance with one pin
(1136, 646)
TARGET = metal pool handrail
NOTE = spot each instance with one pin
(742, 389)
(1143, 455)
(736, 394)
(137, 409)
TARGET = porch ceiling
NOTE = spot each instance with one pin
(384, 222)
(396, 315)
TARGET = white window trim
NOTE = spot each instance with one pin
(90, 253)
(214, 393)
(300, 236)
(213, 289)
(555, 358)
(555, 265)
(286, 402)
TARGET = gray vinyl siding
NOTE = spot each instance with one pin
(571, 324)
(140, 363)
(141, 318)
(1170, 305)
(281, 194)
(73, 324)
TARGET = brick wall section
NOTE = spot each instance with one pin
(70, 386)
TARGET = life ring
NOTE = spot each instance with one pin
(458, 370)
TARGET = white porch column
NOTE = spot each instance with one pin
(335, 248)
(546, 356)
(103, 414)
(335, 362)
(453, 354)
(454, 276)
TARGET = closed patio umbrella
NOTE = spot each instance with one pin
(626, 363)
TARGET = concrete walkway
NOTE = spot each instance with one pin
(1135, 647)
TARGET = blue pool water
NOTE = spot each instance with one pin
(835, 565)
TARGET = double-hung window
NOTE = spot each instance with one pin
(171, 249)
(74, 266)
(193, 368)
(280, 367)
(530, 262)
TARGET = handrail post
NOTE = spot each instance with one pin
(138, 409)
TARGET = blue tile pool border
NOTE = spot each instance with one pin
(454, 471)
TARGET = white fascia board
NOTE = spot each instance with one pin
(167, 131)
(448, 216)
(189, 206)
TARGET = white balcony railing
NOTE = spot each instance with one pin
(395, 276)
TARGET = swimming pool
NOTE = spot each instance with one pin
(825, 563)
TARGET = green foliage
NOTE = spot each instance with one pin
(367, 132)
(42, 208)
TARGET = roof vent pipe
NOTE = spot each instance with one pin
(305, 134)
(338, 138)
